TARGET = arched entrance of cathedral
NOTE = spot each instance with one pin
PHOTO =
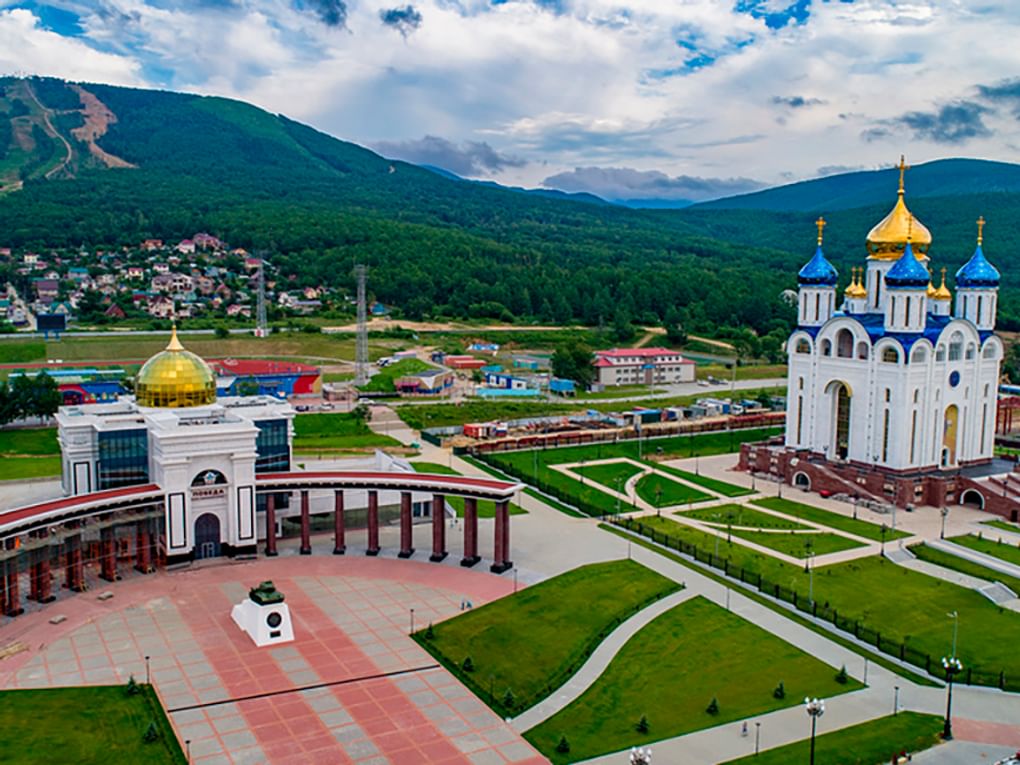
(840, 440)
(207, 536)
(802, 481)
(950, 426)
(972, 498)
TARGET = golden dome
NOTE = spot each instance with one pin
(175, 378)
(855, 289)
(887, 240)
(942, 293)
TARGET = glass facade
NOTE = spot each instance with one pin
(273, 450)
(123, 458)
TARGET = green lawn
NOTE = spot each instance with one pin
(954, 563)
(900, 604)
(382, 381)
(740, 515)
(798, 545)
(1003, 525)
(659, 491)
(421, 416)
(92, 725)
(671, 670)
(871, 743)
(612, 474)
(21, 351)
(996, 549)
(20, 468)
(35, 441)
(486, 507)
(554, 504)
(533, 641)
(335, 431)
(532, 466)
(828, 518)
(719, 487)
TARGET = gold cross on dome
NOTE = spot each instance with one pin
(821, 225)
(903, 167)
(981, 228)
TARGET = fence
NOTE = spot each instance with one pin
(900, 650)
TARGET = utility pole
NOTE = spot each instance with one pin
(261, 322)
(361, 345)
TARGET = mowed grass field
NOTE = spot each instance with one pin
(712, 484)
(611, 474)
(91, 725)
(29, 453)
(324, 433)
(660, 491)
(857, 527)
(954, 563)
(904, 606)
(798, 545)
(871, 743)
(671, 670)
(740, 515)
(1001, 550)
(532, 641)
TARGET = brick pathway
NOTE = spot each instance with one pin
(351, 688)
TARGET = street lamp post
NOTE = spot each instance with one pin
(757, 737)
(945, 514)
(955, 616)
(639, 756)
(885, 530)
(815, 709)
(952, 666)
(147, 682)
(811, 578)
(896, 700)
(412, 622)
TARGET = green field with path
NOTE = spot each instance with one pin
(740, 515)
(798, 545)
(613, 475)
(671, 670)
(660, 491)
(1001, 550)
(857, 527)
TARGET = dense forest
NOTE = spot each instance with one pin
(435, 246)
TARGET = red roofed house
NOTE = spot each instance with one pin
(642, 366)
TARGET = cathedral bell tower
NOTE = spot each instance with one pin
(817, 283)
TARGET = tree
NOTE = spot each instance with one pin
(642, 725)
(841, 677)
(675, 334)
(151, 733)
(573, 361)
(509, 699)
(713, 707)
(468, 665)
(780, 691)
(132, 689)
(563, 746)
(221, 332)
(46, 397)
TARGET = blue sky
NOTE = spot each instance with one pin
(623, 98)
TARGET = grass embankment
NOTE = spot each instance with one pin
(611, 474)
(712, 484)
(1013, 528)
(486, 507)
(92, 725)
(903, 606)
(741, 515)
(382, 381)
(420, 417)
(798, 545)
(660, 491)
(955, 563)
(330, 433)
(746, 372)
(533, 466)
(531, 642)
(671, 670)
(871, 743)
(29, 453)
(828, 518)
(1001, 550)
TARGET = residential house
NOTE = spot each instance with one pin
(186, 247)
(151, 245)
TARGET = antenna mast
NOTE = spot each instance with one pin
(361, 347)
(262, 325)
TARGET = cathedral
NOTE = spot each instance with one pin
(900, 375)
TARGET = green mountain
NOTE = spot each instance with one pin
(941, 178)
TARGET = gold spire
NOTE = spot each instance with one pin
(821, 227)
(931, 287)
(174, 344)
(887, 240)
(856, 287)
(981, 228)
(942, 293)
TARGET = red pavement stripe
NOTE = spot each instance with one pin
(986, 732)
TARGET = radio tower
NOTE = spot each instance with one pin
(262, 327)
(361, 347)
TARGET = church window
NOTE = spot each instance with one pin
(940, 353)
(845, 344)
(862, 350)
(956, 347)
(989, 351)
(878, 288)
(803, 346)
(984, 427)
(986, 390)
(971, 351)
(818, 302)
(913, 432)
(906, 312)
(826, 347)
(888, 395)
(980, 301)
(919, 355)
(917, 394)
(800, 383)
(800, 418)
(891, 356)
(885, 436)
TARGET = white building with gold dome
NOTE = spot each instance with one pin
(898, 375)
(203, 452)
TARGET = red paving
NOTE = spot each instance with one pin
(999, 734)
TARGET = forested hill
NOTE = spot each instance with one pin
(941, 178)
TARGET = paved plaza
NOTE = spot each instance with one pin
(351, 688)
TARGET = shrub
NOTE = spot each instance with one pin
(780, 691)
(221, 333)
(429, 632)
(151, 733)
(467, 665)
(509, 699)
(642, 725)
(713, 707)
(133, 688)
(841, 676)
(563, 746)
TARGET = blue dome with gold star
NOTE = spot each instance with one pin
(818, 272)
(977, 272)
(908, 272)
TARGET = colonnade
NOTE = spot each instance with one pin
(501, 537)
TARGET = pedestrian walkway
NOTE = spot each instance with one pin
(983, 559)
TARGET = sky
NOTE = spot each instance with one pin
(627, 99)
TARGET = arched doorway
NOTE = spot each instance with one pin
(972, 498)
(841, 397)
(207, 536)
(802, 481)
(950, 425)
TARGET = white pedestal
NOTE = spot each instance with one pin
(266, 625)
